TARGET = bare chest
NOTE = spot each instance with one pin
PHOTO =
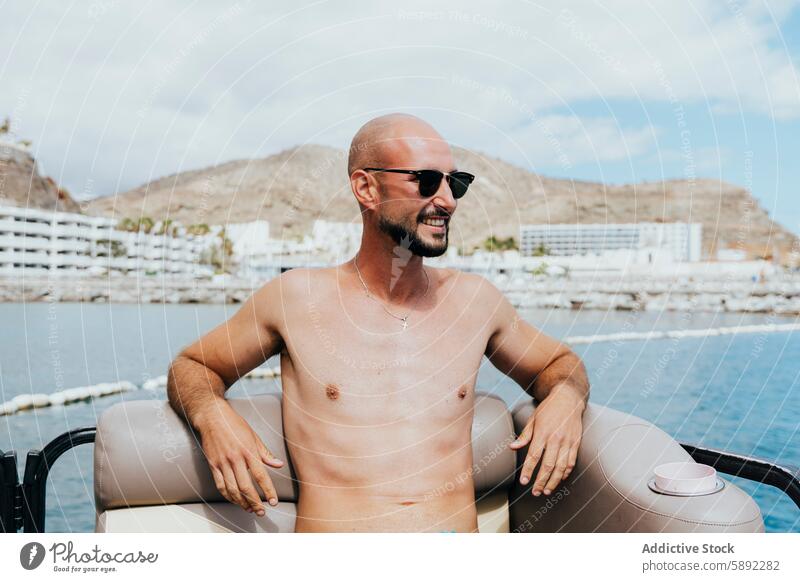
(359, 366)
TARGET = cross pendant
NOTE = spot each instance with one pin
(405, 323)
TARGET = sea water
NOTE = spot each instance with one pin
(739, 393)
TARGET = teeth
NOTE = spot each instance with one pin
(434, 221)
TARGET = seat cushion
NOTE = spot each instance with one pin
(146, 455)
(221, 517)
(493, 514)
(492, 510)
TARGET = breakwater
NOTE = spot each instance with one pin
(778, 296)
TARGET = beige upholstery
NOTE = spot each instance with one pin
(218, 517)
(145, 454)
(607, 491)
(492, 511)
(151, 476)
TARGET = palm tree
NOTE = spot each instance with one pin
(146, 224)
(541, 250)
(127, 225)
(164, 228)
(198, 229)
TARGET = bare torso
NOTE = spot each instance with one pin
(378, 419)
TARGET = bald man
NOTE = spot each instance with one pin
(379, 358)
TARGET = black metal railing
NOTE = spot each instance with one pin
(10, 498)
(787, 479)
(37, 468)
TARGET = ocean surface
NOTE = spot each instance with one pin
(739, 393)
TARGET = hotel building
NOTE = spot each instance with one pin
(682, 240)
(38, 242)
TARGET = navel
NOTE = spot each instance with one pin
(332, 391)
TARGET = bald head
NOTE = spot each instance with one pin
(391, 139)
(392, 206)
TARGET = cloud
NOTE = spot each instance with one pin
(114, 94)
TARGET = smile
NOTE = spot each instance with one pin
(435, 222)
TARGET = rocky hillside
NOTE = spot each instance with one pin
(22, 185)
(292, 188)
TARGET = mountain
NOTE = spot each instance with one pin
(296, 186)
(22, 185)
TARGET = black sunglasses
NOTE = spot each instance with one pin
(429, 180)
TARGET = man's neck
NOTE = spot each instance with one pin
(394, 275)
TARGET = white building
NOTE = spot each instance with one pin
(39, 242)
(253, 250)
(337, 240)
(732, 255)
(261, 257)
(248, 238)
(681, 240)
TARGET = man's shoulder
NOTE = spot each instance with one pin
(289, 293)
(301, 279)
(465, 281)
(283, 287)
(478, 296)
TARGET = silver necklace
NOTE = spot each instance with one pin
(404, 319)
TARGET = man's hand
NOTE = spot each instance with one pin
(554, 432)
(232, 447)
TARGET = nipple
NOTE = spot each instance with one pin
(332, 391)
(462, 392)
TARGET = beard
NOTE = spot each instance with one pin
(404, 234)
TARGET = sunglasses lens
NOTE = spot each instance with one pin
(459, 183)
(429, 181)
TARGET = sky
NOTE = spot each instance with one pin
(114, 94)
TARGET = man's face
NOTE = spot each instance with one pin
(419, 224)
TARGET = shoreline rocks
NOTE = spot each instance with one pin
(775, 297)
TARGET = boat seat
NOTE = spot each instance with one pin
(150, 475)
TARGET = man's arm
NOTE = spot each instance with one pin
(534, 360)
(196, 385)
(201, 374)
(555, 376)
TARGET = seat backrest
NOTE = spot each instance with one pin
(147, 457)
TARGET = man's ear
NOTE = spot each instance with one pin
(365, 192)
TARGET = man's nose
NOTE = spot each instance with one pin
(444, 197)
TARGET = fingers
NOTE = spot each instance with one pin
(524, 438)
(268, 458)
(231, 487)
(219, 481)
(234, 483)
(545, 470)
(532, 458)
(554, 444)
(252, 500)
(572, 459)
(558, 472)
(264, 482)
